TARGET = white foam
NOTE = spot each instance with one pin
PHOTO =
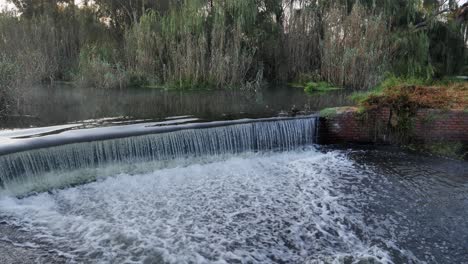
(255, 208)
(44, 168)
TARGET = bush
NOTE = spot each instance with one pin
(8, 72)
(412, 55)
(187, 48)
(7, 77)
(231, 43)
(319, 87)
(355, 49)
(389, 83)
(97, 70)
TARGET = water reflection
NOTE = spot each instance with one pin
(60, 104)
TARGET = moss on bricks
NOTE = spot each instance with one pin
(329, 113)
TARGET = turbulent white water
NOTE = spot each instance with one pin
(51, 167)
(231, 192)
(288, 207)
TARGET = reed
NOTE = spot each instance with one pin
(356, 48)
(228, 44)
(194, 44)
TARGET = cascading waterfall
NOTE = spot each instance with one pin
(236, 137)
(187, 194)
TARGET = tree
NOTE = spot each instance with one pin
(123, 13)
(30, 8)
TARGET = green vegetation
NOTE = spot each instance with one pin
(405, 97)
(334, 111)
(329, 112)
(412, 94)
(229, 44)
(312, 87)
(386, 85)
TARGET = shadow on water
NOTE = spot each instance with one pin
(61, 104)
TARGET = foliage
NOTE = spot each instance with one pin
(387, 84)
(355, 50)
(187, 48)
(233, 43)
(328, 112)
(413, 97)
(319, 87)
(47, 48)
(447, 49)
(32, 8)
(8, 74)
(124, 13)
(394, 81)
(405, 101)
(335, 111)
(413, 58)
(96, 69)
(404, 97)
(300, 49)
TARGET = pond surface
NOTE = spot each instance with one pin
(62, 104)
(308, 205)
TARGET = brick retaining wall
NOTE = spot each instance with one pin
(442, 125)
(348, 126)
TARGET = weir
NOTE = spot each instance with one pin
(29, 158)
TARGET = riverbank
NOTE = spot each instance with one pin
(429, 119)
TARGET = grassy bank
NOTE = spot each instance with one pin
(405, 98)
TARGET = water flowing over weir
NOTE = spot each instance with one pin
(221, 193)
(26, 162)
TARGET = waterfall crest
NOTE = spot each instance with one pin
(283, 134)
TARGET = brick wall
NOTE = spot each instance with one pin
(435, 125)
(347, 126)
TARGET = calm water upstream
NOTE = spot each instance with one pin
(138, 176)
(58, 105)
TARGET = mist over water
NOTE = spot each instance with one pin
(99, 107)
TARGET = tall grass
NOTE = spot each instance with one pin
(43, 48)
(228, 43)
(355, 49)
(99, 68)
(194, 45)
(30, 46)
(8, 75)
(301, 43)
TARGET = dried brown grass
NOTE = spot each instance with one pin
(453, 96)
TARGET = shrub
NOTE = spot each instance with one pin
(7, 76)
(319, 87)
(412, 55)
(355, 49)
(389, 83)
(188, 48)
(97, 70)
(301, 46)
